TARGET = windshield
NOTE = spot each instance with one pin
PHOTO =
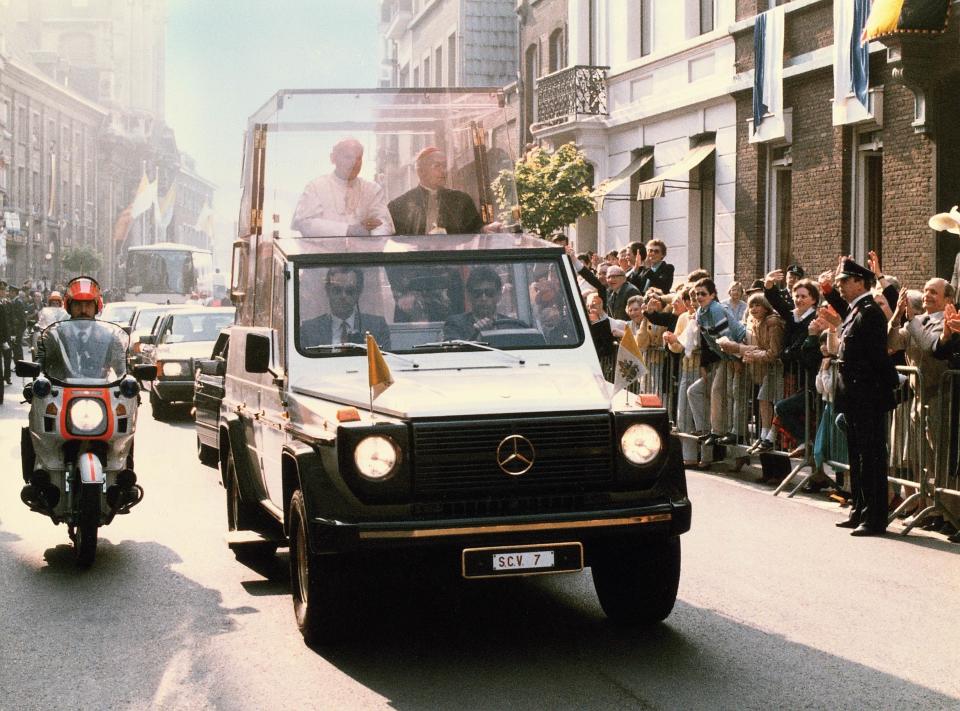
(118, 313)
(391, 162)
(84, 352)
(508, 305)
(145, 318)
(169, 271)
(194, 327)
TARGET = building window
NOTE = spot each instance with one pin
(416, 77)
(426, 72)
(452, 60)
(531, 61)
(641, 211)
(438, 67)
(868, 195)
(557, 55)
(646, 27)
(707, 9)
(706, 180)
(405, 76)
(779, 208)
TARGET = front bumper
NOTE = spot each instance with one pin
(587, 527)
(174, 390)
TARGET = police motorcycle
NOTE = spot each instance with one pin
(77, 451)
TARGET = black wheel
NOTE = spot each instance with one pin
(318, 584)
(208, 456)
(88, 521)
(637, 582)
(240, 514)
(161, 410)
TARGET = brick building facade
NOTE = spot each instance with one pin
(825, 189)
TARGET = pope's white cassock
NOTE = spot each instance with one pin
(331, 206)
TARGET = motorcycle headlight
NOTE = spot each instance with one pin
(129, 387)
(41, 387)
(87, 416)
(173, 368)
(640, 444)
(376, 457)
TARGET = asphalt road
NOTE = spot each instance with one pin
(777, 609)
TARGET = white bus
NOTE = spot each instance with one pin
(168, 273)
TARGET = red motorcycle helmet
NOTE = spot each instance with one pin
(83, 288)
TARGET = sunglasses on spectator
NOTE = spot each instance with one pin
(489, 293)
(342, 290)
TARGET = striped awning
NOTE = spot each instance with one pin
(889, 18)
(614, 182)
(677, 175)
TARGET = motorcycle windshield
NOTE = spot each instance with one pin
(84, 352)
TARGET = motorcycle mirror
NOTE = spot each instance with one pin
(27, 369)
(145, 371)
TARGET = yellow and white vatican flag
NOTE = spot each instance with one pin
(145, 198)
(629, 367)
(379, 373)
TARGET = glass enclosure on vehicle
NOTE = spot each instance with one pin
(420, 303)
(84, 352)
(168, 272)
(338, 162)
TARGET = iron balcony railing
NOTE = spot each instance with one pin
(571, 92)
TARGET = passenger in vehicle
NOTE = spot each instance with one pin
(345, 323)
(343, 203)
(484, 289)
(433, 208)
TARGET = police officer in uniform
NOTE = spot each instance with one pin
(6, 316)
(864, 395)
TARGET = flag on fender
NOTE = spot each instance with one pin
(630, 367)
(379, 372)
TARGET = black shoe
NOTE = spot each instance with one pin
(765, 446)
(848, 523)
(865, 530)
(932, 524)
(815, 487)
(727, 439)
(955, 538)
(947, 529)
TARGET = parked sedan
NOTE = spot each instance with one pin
(178, 339)
(207, 395)
(121, 312)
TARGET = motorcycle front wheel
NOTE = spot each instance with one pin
(88, 521)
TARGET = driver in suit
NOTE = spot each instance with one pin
(345, 323)
(484, 289)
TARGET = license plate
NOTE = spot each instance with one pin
(522, 560)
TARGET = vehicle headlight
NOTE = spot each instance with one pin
(172, 368)
(376, 457)
(641, 444)
(87, 416)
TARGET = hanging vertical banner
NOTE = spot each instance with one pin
(851, 62)
(52, 192)
(767, 66)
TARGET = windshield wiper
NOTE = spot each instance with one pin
(459, 344)
(362, 347)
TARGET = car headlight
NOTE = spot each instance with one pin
(641, 444)
(172, 368)
(87, 416)
(376, 457)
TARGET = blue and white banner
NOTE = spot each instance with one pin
(767, 66)
(851, 61)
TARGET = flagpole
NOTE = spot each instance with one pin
(156, 222)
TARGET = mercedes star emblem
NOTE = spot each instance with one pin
(515, 455)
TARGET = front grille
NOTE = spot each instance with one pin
(458, 460)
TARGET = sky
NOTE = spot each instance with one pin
(225, 58)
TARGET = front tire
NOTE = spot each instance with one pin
(637, 582)
(241, 516)
(88, 522)
(318, 584)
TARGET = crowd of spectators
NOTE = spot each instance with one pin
(758, 369)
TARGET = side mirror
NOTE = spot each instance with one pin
(212, 366)
(149, 339)
(144, 371)
(257, 353)
(27, 369)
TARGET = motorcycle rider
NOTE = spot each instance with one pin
(52, 312)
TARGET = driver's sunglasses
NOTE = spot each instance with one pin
(342, 290)
(489, 293)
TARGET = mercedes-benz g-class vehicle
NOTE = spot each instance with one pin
(420, 393)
